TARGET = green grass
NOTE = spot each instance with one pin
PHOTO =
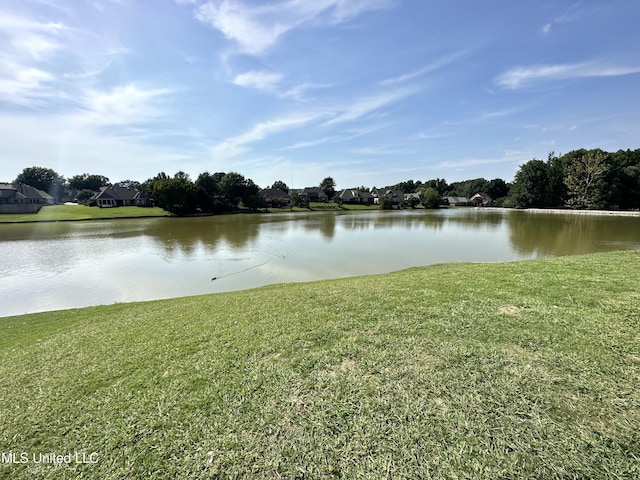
(509, 370)
(55, 213)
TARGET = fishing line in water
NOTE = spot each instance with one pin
(239, 271)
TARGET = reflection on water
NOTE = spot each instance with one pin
(70, 264)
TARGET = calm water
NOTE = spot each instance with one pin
(72, 264)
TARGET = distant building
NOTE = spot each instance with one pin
(22, 198)
(117, 196)
(274, 197)
(458, 201)
(396, 196)
(313, 194)
(354, 196)
(481, 200)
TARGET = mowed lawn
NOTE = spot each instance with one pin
(509, 370)
(80, 212)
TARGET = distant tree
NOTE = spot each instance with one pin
(280, 185)
(430, 198)
(44, 179)
(237, 188)
(253, 202)
(623, 180)
(531, 185)
(497, 188)
(386, 203)
(130, 184)
(468, 188)
(209, 193)
(408, 186)
(328, 186)
(87, 181)
(298, 201)
(177, 195)
(84, 196)
(556, 170)
(413, 202)
(440, 184)
(585, 179)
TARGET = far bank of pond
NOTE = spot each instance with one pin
(49, 266)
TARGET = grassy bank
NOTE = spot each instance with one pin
(512, 370)
(58, 213)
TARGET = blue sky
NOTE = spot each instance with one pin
(370, 92)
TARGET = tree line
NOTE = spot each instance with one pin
(580, 179)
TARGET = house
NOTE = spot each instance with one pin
(117, 196)
(407, 196)
(354, 196)
(481, 200)
(22, 198)
(314, 194)
(458, 201)
(274, 197)
(396, 196)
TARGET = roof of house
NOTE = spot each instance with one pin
(317, 191)
(117, 193)
(455, 200)
(273, 193)
(350, 193)
(24, 191)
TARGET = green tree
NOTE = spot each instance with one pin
(585, 179)
(44, 179)
(87, 181)
(328, 186)
(280, 185)
(237, 188)
(209, 192)
(531, 185)
(298, 201)
(623, 180)
(177, 195)
(413, 202)
(440, 184)
(430, 198)
(386, 203)
(497, 188)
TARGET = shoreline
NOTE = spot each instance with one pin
(614, 213)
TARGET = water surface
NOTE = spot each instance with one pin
(50, 266)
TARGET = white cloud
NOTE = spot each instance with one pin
(237, 145)
(257, 28)
(520, 77)
(23, 85)
(433, 66)
(260, 80)
(367, 105)
(122, 105)
(546, 29)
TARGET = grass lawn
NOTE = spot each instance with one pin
(507, 370)
(81, 212)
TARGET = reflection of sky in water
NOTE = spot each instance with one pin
(91, 263)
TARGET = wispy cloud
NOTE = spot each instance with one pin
(260, 80)
(521, 77)
(257, 28)
(431, 67)
(367, 105)
(25, 76)
(122, 105)
(237, 145)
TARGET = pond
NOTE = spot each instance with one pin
(51, 266)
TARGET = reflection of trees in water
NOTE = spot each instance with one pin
(184, 236)
(474, 217)
(557, 234)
